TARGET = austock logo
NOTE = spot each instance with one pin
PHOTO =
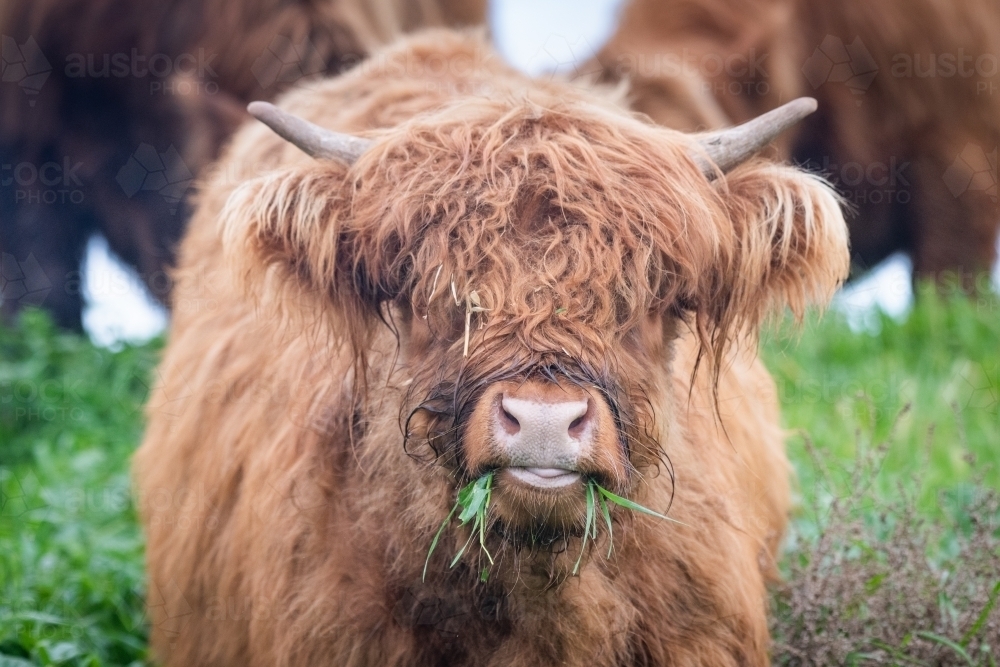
(23, 282)
(980, 388)
(24, 64)
(836, 62)
(149, 170)
(168, 609)
(286, 62)
(18, 497)
(48, 183)
(974, 170)
(739, 73)
(867, 183)
(560, 56)
(984, 67)
(184, 74)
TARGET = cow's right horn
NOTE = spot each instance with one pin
(732, 146)
(314, 140)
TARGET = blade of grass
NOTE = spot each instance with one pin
(628, 504)
(588, 526)
(607, 519)
(434, 542)
(481, 517)
(896, 654)
(944, 641)
(591, 510)
(983, 616)
(461, 551)
(481, 513)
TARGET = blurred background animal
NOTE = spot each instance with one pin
(909, 106)
(123, 103)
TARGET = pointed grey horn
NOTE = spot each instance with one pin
(733, 146)
(314, 140)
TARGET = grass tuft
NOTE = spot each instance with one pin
(474, 502)
(598, 495)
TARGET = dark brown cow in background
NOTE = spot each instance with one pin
(111, 108)
(909, 92)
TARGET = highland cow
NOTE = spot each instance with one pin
(111, 109)
(443, 272)
(909, 99)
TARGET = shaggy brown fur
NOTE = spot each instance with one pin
(288, 513)
(889, 143)
(99, 106)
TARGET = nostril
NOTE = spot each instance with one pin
(507, 421)
(510, 419)
(578, 426)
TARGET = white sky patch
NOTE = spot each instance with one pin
(886, 287)
(539, 36)
(118, 306)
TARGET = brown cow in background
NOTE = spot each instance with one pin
(909, 105)
(111, 108)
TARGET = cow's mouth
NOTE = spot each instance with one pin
(544, 478)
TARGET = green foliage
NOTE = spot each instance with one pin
(893, 556)
(71, 573)
(474, 502)
(845, 390)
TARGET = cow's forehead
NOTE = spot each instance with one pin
(539, 211)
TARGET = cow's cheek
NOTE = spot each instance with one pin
(477, 435)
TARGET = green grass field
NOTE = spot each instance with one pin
(903, 421)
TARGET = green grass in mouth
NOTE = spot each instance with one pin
(473, 503)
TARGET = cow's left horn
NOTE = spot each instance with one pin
(316, 141)
(733, 146)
